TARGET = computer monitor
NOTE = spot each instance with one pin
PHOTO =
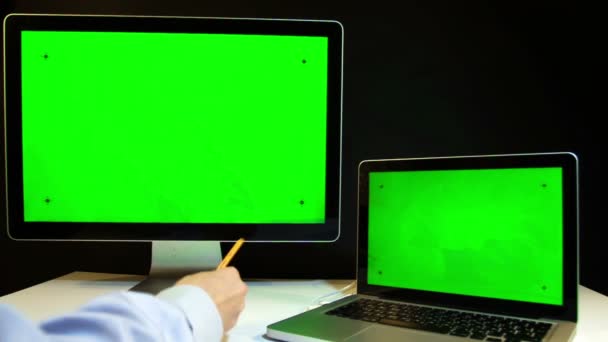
(140, 128)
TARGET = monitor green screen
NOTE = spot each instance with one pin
(149, 127)
(494, 233)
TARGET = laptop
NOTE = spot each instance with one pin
(481, 248)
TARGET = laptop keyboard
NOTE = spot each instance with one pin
(465, 324)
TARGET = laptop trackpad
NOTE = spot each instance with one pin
(389, 334)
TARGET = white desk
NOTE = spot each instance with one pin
(267, 302)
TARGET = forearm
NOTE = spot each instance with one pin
(178, 314)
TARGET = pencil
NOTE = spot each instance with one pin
(231, 254)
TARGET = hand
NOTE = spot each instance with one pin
(226, 289)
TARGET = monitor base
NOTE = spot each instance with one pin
(172, 260)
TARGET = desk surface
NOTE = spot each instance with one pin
(267, 301)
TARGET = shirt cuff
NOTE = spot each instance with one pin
(199, 308)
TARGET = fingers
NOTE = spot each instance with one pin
(226, 289)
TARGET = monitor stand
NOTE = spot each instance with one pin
(172, 260)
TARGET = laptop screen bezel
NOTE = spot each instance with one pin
(565, 160)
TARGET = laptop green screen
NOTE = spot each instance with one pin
(174, 127)
(494, 233)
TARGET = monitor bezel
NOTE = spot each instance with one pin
(565, 160)
(19, 230)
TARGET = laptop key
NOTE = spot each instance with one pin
(412, 325)
(460, 332)
(477, 336)
(370, 318)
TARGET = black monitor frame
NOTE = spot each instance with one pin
(20, 230)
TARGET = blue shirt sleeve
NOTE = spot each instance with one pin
(181, 313)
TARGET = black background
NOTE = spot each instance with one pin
(422, 78)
